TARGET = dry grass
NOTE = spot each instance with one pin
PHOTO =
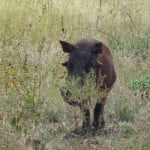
(32, 112)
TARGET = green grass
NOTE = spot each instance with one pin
(32, 111)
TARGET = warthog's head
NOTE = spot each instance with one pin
(82, 56)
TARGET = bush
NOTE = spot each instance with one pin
(124, 110)
(87, 93)
(142, 84)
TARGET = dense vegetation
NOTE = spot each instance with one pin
(32, 111)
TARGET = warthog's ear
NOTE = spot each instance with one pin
(97, 48)
(65, 64)
(67, 47)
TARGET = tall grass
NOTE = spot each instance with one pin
(32, 110)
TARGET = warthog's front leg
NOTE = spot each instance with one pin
(99, 116)
(86, 118)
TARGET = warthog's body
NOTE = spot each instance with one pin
(86, 54)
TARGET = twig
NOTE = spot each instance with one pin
(130, 17)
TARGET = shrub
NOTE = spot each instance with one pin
(87, 93)
(142, 84)
(124, 110)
